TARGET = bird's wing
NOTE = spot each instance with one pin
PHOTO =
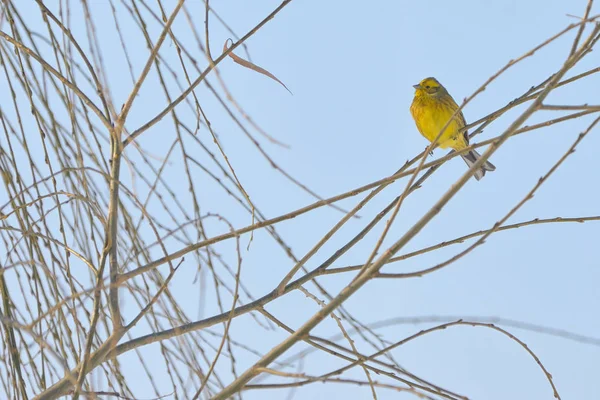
(461, 120)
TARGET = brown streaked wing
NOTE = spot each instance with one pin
(460, 117)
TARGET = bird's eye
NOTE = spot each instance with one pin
(427, 87)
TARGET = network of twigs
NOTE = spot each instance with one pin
(89, 222)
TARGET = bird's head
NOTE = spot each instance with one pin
(428, 86)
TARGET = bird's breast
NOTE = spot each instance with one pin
(431, 116)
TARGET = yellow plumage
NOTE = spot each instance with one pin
(432, 108)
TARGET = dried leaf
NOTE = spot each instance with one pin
(252, 66)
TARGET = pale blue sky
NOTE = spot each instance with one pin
(350, 66)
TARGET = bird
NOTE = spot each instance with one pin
(432, 108)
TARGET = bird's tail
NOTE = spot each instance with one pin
(471, 157)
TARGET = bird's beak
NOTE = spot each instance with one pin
(417, 86)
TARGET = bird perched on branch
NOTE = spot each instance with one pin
(431, 109)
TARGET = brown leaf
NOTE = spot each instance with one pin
(252, 66)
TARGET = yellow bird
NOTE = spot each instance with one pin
(431, 109)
